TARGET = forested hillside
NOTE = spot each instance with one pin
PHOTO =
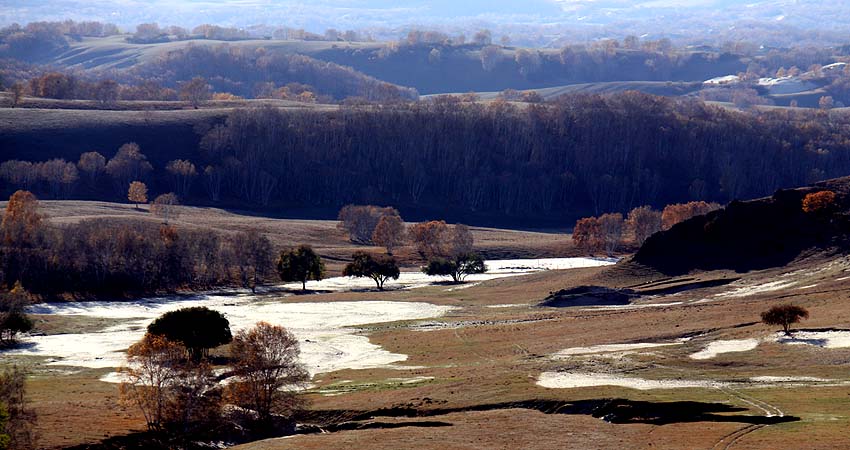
(580, 154)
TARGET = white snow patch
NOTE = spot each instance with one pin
(328, 343)
(719, 347)
(822, 339)
(495, 269)
(462, 287)
(513, 305)
(612, 348)
(619, 307)
(728, 79)
(571, 380)
(746, 291)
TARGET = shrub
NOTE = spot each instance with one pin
(817, 202)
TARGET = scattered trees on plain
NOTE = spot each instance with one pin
(300, 264)
(379, 268)
(784, 316)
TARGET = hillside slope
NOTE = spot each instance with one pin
(757, 234)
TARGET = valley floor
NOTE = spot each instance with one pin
(686, 365)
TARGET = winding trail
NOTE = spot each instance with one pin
(768, 409)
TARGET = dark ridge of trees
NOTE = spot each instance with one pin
(583, 154)
(588, 153)
(37, 39)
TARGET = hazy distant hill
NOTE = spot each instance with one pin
(703, 18)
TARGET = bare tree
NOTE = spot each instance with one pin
(182, 173)
(643, 222)
(267, 369)
(128, 164)
(611, 227)
(92, 164)
(166, 206)
(196, 91)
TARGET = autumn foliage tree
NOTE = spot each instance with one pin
(681, 212)
(267, 371)
(784, 316)
(152, 371)
(818, 202)
(390, 233)
(128, 164)
(587, 235)
(137, 193)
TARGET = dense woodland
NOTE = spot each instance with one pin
(579, 155)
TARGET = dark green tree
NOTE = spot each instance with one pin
(300, 264)
(197, 328)
(785, 316)
(377, 267)
(458, 267)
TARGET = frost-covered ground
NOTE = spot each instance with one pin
(329, 341)
(495, 269)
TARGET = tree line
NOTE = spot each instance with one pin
(610, 232)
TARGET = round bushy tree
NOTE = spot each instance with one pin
(377, 267)
(197, 328)
(300, 264)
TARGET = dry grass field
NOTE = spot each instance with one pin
(470, 380)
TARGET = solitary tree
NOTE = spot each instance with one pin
(152, 371)
(138, 193)
(379, 268)
(784, 315)
(458, 267)
(265, 362)
(21, 221)
(195, 91)
(389, 233)
(197, 328)
(166, 207)
(300, 264)
(13, 318)
(17, 90)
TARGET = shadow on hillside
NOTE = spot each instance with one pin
(617, 411)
